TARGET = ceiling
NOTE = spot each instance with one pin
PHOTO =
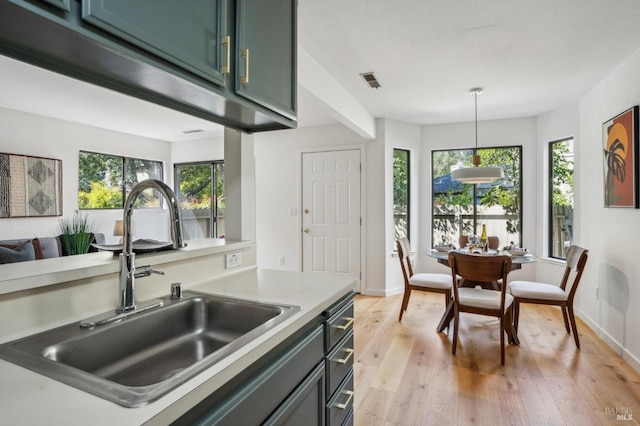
(529, 56)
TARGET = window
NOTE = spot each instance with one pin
(201, 202)
(560, 197)
(401, 185)
(104, 180)
(462, 209)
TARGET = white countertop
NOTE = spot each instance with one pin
(26, 275)
(31, 398)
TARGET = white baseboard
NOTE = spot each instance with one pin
(382, 293)
(609, 340)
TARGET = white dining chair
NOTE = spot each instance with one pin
(550, 294)
(423, 281)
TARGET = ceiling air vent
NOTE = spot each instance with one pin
(370, 79)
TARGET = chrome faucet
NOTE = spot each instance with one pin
(127, 257)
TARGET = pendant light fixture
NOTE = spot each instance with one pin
(477, 174)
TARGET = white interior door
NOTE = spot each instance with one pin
(331, 212)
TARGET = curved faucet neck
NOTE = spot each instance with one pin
(127, 258)
(174, 212)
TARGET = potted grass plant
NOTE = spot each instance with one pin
(75, 234)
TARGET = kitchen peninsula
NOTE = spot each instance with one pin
(55, 294)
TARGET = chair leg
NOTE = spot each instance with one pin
(516, 313)
(405, 302)
(456, 320)
(573, 325)
(510, 330)
(564, 317)
(502, 320)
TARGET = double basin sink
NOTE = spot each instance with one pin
(142, 357)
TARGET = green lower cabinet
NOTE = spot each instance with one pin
(300, 382)
(339, 349)
(305, 406)
(340, 405)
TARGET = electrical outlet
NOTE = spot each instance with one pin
(282, 260)
(232, 260)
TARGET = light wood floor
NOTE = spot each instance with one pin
(405, 373)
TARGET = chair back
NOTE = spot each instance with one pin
(576, 260)
(494, 242)
(480, 269)
(404, 251)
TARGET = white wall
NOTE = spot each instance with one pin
(610, 234)
(508, 132)
(278, 168)
(197, 150)
(29, 134)
(402, 136)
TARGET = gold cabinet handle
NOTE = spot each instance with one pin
(306, 230)
(344, 327)
(344, 360)
(245, 54)
(344, 406)
(226, 42)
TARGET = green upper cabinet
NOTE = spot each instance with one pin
(188, 34)
(60, 4)
(232, 62)
(266, 54)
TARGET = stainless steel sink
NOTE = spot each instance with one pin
(138, 359)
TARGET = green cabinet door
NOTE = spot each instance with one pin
(188, 34)
(60, 4)
(266, 54)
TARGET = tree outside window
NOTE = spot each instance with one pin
(105, 180)
(200, 191)
(561, 197)
(401, 191)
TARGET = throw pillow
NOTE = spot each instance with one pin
(37, 248)
(18, 254)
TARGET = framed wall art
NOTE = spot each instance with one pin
(620, 143)
(30, 186)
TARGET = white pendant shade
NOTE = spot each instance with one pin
(477, 174)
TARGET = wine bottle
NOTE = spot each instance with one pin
(483, 238)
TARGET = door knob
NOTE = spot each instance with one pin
(306, 230)
(306, 211)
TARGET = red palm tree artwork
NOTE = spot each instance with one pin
(620, 137)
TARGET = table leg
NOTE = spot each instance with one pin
(512, 334)
(446, 317)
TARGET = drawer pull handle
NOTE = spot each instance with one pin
(344, 360)
(226, 42)
(344, 327)
(245, 54)
(344, 406)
